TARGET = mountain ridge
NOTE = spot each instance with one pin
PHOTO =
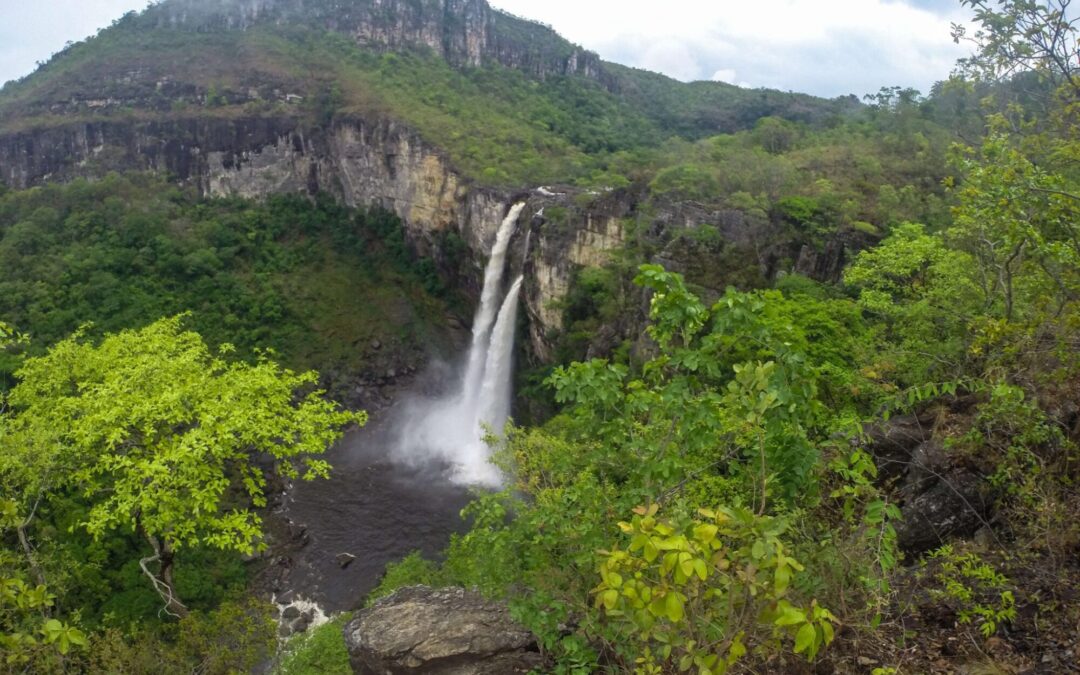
(179, 53)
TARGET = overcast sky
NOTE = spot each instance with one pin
(823, 47)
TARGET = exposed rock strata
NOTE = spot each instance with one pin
(377, 161)
(464, 32)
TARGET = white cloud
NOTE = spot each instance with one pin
(671, 56)
(825, 48)
(724, 75)
(33, 31)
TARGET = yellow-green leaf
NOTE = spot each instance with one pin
(805, 638)
(673, 607)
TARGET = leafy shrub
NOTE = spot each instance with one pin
(978, 593)
(412, 570)
(687, 181)
(701, 594)
(319, 651)
(236, 637)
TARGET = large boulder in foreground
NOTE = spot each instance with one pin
(446, 631)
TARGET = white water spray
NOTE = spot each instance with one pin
(453, 429)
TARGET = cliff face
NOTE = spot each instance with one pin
(464, 32)
(377, 161)
(360, 161)
(370, 161)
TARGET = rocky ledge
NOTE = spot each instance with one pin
(448, 631)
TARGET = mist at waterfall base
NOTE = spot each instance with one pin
(398, 485)
(451, 429)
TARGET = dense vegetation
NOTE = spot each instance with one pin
(709, 500)
(706, 499)
(289, 275)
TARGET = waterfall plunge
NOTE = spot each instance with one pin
(452, 429)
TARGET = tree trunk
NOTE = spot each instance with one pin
(163, 579)
(31, 559)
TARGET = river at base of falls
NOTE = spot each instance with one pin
(370, 508)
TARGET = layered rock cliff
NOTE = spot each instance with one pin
(464, 32)
(362, 162)
(381, 162)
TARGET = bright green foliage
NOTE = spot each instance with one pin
(161, 436)
(8, 336)
(156, 429)
(698, 595)
(27, 632)
(1018, 223)
(871, 516)
(412, 570)
(979, 594)
(923, 295)
(319, 651)
(288, 273)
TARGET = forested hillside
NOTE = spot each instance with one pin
(798, 381)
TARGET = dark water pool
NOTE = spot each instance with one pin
(373, 509)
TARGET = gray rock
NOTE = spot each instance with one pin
(954, 504)
(939, 497)
(290, 613)
(300, 624)
(892, 444)
(439, 632)
(344, 559)
(375, 344)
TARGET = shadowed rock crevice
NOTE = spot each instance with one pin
(940, 496)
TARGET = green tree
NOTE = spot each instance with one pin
(1015, 36)
(922, 295)
(164, 438)
(775, 135)
(1019, 223)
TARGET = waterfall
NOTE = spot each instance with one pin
(451, 429)
(485, 314)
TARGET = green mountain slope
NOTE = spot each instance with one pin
(509, 119)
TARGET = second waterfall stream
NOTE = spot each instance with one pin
(451, 429)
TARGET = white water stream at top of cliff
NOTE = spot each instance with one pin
(452, 429)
